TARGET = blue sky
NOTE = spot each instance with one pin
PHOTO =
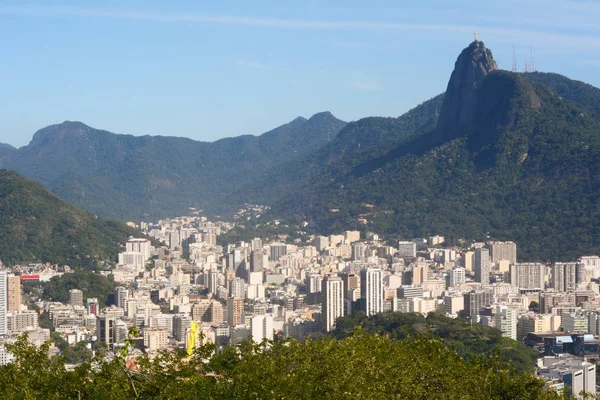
(207, 70)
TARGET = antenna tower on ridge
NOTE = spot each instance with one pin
(526, 65)
(514, 64)
(531, 54)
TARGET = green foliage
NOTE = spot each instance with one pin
(469, 341)
(72, 354)
(528, 172)
(36, 226)
(265, 231)
(357, 141)
(92, 285)
(134, 178)
(361, 366)
(6, 149)
(585, 95)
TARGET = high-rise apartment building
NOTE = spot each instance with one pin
(527, 275)
(313, 283)
(468, 260)
(371, 290)
(200, 310)
(420, 273)
(351, 281)
(76, 297)
(132, 259)
(359, 252)
(13, 293)
(351, 236)
(453, 304)
(592, 265)
(566, 275)
(576, 322)
(209, 238)
(435, 240)
(475, 300)
(457, 277)
(105, 328)
(261, 327)
(256, 244)
(121, 296)
(163, 321)
(276, 250)
(409, 292)
(256, 261)
(482, 266)
(322, 242)
(181, 322)
(407, 249)
(155, 339)
(18, 321)
(215, 313)
(503, 251)
(143, 246)
(237, 288)
(93, 306)
(212, 281)
(235, 310)
(335, 240)
(333, 301)
(505, 320)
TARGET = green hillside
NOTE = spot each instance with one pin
(6, 149)
(36, 226)
(357, 141)
(151, 177)
(525, 169)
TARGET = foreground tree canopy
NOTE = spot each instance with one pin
(361, 366)
(468, 340)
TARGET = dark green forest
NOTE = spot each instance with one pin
(469, 341)
(528, 172)
(151, 177)
(91, 284)
(36, 226)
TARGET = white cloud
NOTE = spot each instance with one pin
(46, 11)
(595, 63)
(535, 34)
(251, 64)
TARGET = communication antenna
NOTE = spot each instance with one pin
(514, 65)
(531, 55)
(526, 65)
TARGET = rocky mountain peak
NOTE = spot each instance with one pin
(456, 115)
(57, 133)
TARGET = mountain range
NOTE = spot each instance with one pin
(151, 177)
(498, 155)
(511, 156)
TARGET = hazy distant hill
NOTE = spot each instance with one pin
(509, 158)
(358, 140)
(129, 177)
(6, 149)
(36, 226)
